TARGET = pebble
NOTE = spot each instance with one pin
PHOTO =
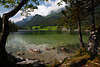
(20, 53)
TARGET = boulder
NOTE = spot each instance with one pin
(34, 50)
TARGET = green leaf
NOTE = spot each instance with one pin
(6, 6)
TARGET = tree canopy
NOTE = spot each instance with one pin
(13, 3)
(28, 7)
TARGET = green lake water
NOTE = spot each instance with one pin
(25, 40)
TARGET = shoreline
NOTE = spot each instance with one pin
(50, 55)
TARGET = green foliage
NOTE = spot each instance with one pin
(71, 14)
(70, 18)
(13, 3)
(28, 7)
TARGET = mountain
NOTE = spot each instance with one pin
(53, 19)
(37, 20)
(23, 22)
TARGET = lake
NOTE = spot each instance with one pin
(27, 39)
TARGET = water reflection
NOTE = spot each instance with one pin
(24, 40)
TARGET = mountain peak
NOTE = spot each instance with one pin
(41, 20)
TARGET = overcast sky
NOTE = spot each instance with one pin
(44, 9)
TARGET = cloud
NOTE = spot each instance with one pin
(17, 17)
(43, 9)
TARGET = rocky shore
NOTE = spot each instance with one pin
(49, 55)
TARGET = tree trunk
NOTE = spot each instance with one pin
(80, 34)
(3, 38)
(79, 27)
(93, 42)
(4, 59)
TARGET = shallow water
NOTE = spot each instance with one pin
(25, 40)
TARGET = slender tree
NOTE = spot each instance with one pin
(79, 24)
(84, 8)
(75, 8)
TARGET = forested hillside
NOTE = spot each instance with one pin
(55, 19)
(37, 20)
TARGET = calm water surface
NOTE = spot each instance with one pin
(24, 40)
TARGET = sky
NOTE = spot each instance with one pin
(44, 9)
